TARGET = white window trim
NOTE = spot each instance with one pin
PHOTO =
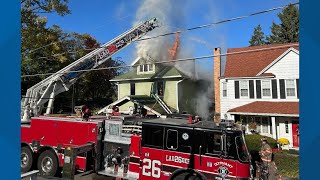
(295, 89)
(148, 69)
(270, 86)
(242, 81)
(224, 85)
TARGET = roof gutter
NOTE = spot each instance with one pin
(264, 114)
(254, 77)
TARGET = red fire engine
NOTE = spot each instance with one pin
(159, 148)
(126, 147)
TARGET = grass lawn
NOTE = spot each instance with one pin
(288, 165)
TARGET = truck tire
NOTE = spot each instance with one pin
(186, 175)
(26, 159)
(48, 163)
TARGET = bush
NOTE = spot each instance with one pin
(253, 142)
(288, 165)
(283, 141)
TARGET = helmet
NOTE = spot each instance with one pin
(264, 139)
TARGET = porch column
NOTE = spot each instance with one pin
(274, 127)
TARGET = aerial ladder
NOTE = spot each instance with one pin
(46, 90)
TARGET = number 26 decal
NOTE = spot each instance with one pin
(151, 168)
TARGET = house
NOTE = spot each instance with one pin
(260, 86)
(159, 88)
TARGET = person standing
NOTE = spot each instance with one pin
(267, 163)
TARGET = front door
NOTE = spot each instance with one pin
(295, 133)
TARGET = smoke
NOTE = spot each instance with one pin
(170, 18)
(173, 14)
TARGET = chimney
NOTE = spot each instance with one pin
(216, 80)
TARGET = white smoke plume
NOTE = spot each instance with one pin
(169, 17)
(172, 15)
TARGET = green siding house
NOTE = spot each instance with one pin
(160, 89)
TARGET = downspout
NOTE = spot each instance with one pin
(177, 94)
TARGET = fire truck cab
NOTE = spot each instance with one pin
(175, 148)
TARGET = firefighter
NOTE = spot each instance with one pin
(267, 164)
(86, 112)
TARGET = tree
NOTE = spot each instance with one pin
(288, 30)
(257, 38)
(49, 49)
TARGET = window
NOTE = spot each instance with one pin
(242, 149)
(244, 90)
(172, 139)
(132, 89)
(160, 85)
(114, 129)
(146, 68)
(152, 136)
(265, 124)
(266, 88)
(287, 126)
(213, 143)
(290, 88)
(224, 89)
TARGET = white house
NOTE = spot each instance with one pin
(260, 84)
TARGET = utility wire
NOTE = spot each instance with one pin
(215, 23)
(168, 62)
(194, 28)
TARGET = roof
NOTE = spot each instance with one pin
(268, 108)
(165, 71)
(184, 124)
(250, 64)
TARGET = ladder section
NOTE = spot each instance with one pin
(61, 81)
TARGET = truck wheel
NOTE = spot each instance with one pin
(48, 163)
(186, 175)
(26, 159)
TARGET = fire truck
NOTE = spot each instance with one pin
(128, 147)
(174, 147)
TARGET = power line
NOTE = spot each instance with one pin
(194, 28)
(168, 62)
(215, 23)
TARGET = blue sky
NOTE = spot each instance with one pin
(105, 20)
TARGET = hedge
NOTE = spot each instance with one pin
(253, 142)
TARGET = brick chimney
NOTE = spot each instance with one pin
(216, 80)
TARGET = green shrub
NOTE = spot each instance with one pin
(288, 165)
(253, 142)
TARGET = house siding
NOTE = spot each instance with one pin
(143, 88)
(124, 90)
(286, 68)
(170, 97)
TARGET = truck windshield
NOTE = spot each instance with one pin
(242, 149)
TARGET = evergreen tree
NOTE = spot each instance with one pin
(257, 38)
(288, 30)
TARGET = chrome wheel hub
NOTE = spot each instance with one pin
(46, 164)
(24, 159)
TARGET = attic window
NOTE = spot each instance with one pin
(146, 68)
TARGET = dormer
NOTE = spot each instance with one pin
(144, 66)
